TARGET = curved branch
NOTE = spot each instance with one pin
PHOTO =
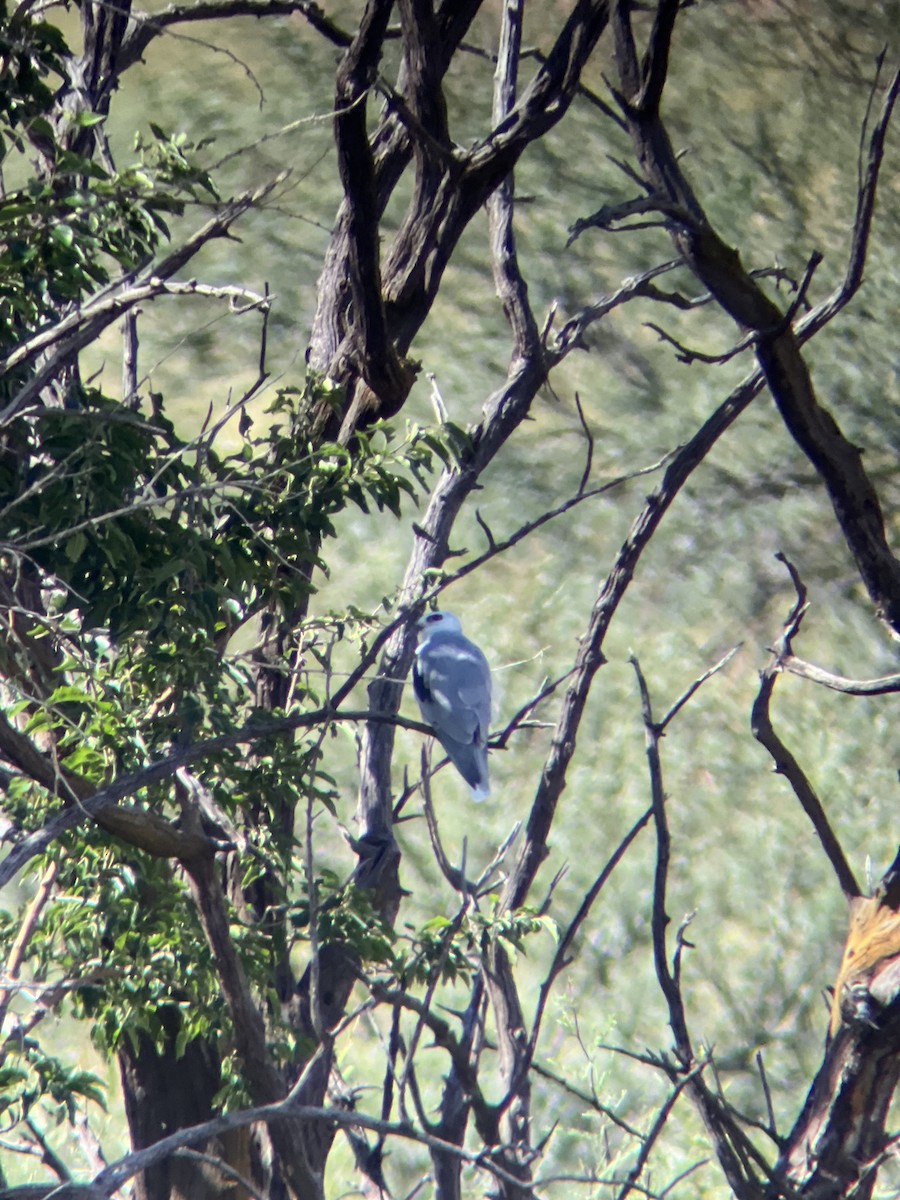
(840, 683)
(289, 1112)
(146, 829)
(785, 763)
(732, 1147)
(590, 653)
(144, 27)
(837, 461)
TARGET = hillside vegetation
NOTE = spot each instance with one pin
(577, 321)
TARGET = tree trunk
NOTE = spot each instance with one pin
(164, 1093)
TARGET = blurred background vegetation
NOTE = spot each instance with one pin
(766, 101)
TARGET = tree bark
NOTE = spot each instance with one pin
(839, 1138)
(164, 1092)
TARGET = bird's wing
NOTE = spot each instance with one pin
(452, 682)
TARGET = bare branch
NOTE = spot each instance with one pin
(456, 877)
(588, 1098)
(840, 683)
(838, 462)
(86, 321)
(695, 686)
(668, 982)
(785, 763)
(561, 958)
(143, 28)
(572, 333)
(686, 355)
(735, 1153)
(652, 1135)
(589, 454)
(508, 279)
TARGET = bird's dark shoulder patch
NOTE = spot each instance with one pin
(420, 687)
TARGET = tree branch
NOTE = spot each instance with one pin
(370, 345)
(86, 321)
(840, 683)
(143, 27)
(508, 279)
(562, 959)
(732, 1149)
(785, 763)
(718, 267)
(290, 1113)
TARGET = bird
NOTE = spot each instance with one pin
(452, 683)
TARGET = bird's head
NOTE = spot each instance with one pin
(435, 622)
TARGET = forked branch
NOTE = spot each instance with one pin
(718, 267)
(785, 762)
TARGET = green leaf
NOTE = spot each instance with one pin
(87, 120)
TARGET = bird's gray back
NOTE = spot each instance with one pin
(452, 681)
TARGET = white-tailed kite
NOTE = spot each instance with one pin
(452, 682)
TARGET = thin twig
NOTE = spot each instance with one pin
(652, 1135)
(695, 686)
(219, 1165)
(589, 439)
(767, 1094)
(561, 958)
(668, 982)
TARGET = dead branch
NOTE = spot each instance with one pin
(840, 683)
(695, 687)
(143, 28)
(785, 763)
(837, 461)
(736, 1154)
(572, 333)
(562, 957)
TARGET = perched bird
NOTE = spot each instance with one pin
(452, 682)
